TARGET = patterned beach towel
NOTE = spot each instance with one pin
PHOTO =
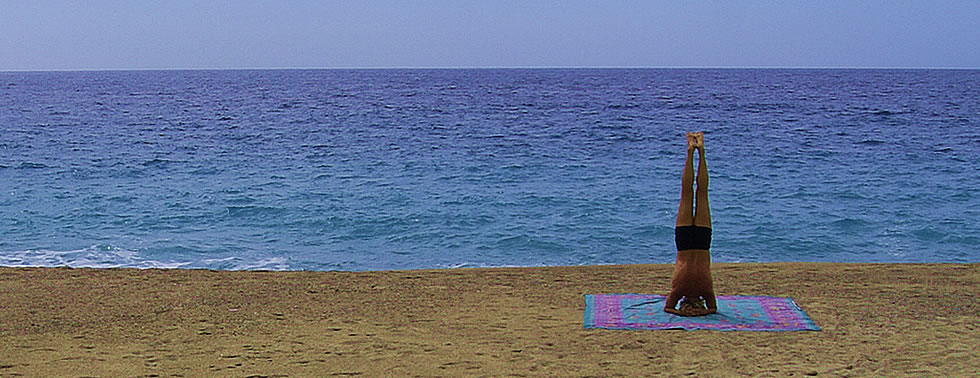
(735, 313)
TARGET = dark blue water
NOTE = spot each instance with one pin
(395, 169)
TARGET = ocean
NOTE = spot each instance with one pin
(411, 168)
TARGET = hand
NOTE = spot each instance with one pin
(691, 311)
(691, 306)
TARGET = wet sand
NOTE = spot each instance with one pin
(877, 319)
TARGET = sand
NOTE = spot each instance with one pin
(877, 319)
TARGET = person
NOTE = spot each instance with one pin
(691, 283)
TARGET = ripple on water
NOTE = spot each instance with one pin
(389, 169)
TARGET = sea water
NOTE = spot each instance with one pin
(402, 169)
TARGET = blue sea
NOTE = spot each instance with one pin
(403, 169)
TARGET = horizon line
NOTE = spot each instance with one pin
(298, 68)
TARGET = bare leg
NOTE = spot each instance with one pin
(702, 214)
(685, 212)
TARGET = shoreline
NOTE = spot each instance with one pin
(876, 318)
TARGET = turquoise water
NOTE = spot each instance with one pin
(400, 169)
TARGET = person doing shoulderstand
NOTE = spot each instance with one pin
(691, 283)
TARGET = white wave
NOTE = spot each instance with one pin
(92, 257)
(102, 256)
(271, 263)
(237, 263)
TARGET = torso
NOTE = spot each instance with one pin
(692, 270)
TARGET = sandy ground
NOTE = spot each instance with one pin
(877, 319)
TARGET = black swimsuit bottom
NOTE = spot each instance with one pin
(692, 237)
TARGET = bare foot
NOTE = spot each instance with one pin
(692, 141)
(699, 140)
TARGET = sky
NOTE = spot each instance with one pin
(209, 34)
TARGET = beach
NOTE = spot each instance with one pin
(876, 319)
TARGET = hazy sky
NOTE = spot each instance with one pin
(144, 34)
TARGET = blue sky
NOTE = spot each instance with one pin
(143, 34)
